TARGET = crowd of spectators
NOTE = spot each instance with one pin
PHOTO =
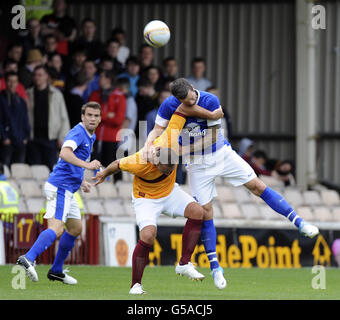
(56, 66)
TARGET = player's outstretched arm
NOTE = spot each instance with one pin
(68, 155)
(153, 135)
(113, 168)
(199, 112)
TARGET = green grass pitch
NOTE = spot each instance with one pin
(161, 283)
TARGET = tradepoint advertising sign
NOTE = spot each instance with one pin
(247, 248)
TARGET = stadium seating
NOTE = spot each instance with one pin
(336, 213)
(94, 206)
(30, 189)
(90, 195)
(330, 197)
(268, 213)
(40, 172)
(225, 194)
(124, 190)
(34, 205)
(242, 195)
(312, 198)
(217, 210)
(305, 213)
(231, 203)
(322, 213)
(294, 197)
(107, 190)
(113, 208)
(21, 171)
(231, 211)
(251, 211)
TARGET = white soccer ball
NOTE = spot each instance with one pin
(156, 33)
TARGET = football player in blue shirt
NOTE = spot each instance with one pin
(210, 156)
(62, 208)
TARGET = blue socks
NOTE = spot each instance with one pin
(66, 244)
(208, 237)
(44, 241)
(280, 205)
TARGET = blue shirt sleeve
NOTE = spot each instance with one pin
(213, 102)
(168, 107)
(76, 136)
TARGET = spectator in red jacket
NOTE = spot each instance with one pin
(12, 66)
(113, 103)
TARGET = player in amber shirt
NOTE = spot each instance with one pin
(155, 192)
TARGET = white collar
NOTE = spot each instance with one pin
(198, 95)
(88, 133)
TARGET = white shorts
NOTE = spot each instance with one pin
(61, 203)
(148, 210)
(222, 163)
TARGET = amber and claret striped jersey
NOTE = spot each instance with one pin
(148, 181)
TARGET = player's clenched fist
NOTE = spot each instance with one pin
(94, 165)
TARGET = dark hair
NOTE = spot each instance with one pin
(123, 82)
(15, 44)
(80, 49)
(50, 36)
(260, 154)
(106, 57)
(8, 61)
(2, 169)
(144, 45)
(109, 75)
(90, 60)
(112, 40)
(180, 88)
(52, 72)
(144, 82)
(117, 30)
(87, 19)
(91, 104)
(133, 59)
(51, 55)
(167, 59)
(197, 59)
(66, 28)
(41, 67)
(10, 74)
(80, 78)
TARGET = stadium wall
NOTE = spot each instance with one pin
(328, 82)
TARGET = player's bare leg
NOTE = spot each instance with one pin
(66, 243)
(191, 233)
(280, 205)
(140, 257)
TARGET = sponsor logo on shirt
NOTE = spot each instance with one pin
(194, 130)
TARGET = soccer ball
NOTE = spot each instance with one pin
(156, 33)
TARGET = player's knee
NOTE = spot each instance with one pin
(75, 231)
(148, 234)
(194, 211)
(57, 226)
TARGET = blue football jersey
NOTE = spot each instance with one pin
(66, 175)
(194, 128)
